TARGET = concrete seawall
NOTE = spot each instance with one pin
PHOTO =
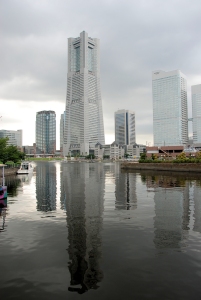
(173, 167)
(8, 171)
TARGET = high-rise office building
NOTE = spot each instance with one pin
(84, 116)
(170, 115)
(45, 132)
(62, 127)
(15, 137)
(124, 127)
(196, 112)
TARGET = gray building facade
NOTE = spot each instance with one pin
(196, 112)
(124, 127)
(84, 116)
(170, 112)
(45, 132)
(14, 136)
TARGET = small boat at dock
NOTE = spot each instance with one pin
(25, 168)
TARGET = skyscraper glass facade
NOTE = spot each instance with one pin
(196, 112)
(84, 116)
(124, 127)
(45, 132)
(170, 115)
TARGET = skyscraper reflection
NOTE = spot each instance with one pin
(172, 214)
(125, 191)
(3, 208)
(83, 190)
(46, 186)
(197, 206)
(125, 186)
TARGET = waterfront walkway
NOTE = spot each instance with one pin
(174, 167)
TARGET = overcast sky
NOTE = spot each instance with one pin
(136, 38)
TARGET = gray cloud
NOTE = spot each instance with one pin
(136, 37)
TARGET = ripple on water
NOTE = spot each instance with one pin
(77, 228)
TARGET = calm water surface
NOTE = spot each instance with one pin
(88, 230)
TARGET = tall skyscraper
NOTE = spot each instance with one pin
(124, 127)
(62, 127)
(196, 112)
(45, 132)
(84, 116)
(170, 115)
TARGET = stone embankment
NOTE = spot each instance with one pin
(174, 167)
(8, 171)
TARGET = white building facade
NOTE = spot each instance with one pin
(112, 151)
(170, 114)
(124, 127)
(84, 117)
(196, 112)
(15, 137)
(135, 150)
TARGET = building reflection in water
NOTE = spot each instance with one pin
(82, 187)
(125, 191)
(197, 206)
(3, 208)
(25, 179)
(46, 186)
(12, 182)
(172, 213)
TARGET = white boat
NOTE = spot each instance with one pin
(25, 168)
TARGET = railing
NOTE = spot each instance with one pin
(163, 151)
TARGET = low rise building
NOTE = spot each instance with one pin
(112, 151)
(29, 150)
(135, 150)
(169, 151)
(15, 137)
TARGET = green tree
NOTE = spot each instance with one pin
(198, 155)
(14, 154)
(90, 156)
(143, 156)
(9, 153)
(3, 145)
(181, 156)
(154, 156)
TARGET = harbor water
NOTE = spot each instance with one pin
(75, 230)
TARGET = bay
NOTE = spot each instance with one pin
(90, 230)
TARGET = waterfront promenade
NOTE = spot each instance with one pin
(176, 167)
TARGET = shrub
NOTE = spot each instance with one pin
(198, 155)
(143, 156)
(9, 162)
(187, 160)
